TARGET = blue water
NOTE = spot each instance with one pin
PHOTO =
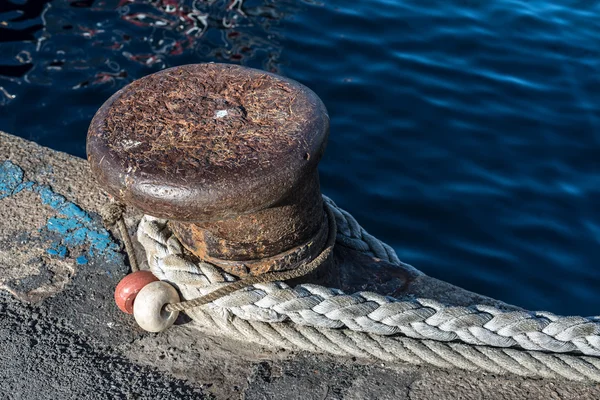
(464, 133)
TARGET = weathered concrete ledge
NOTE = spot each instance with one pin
(62, 336)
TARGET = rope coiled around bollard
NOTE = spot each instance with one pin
(303, 270)
(316, 318)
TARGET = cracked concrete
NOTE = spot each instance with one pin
(62, 337)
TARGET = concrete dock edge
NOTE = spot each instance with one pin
(62, 336)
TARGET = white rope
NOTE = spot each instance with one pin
(365, 324)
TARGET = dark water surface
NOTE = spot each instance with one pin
(466, 134)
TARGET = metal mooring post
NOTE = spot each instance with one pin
(227, 154)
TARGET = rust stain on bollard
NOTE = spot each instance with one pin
(228, 154)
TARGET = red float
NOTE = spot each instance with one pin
(129, 287)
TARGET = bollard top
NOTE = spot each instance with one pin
(206, 142)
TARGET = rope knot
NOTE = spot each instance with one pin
(112, 212)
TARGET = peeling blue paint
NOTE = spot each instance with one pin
(11, 176)
(58, 251)
(23, 186)
(74, 226)
(62, 225)
(100, 241)
(71, 210)
(50, 198)
(81, 260)
(77, 237)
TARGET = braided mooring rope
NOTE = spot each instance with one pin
(316, 318)
(302, 270)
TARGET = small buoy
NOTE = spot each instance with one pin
(148, 308)
(129, 287)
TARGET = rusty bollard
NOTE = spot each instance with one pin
(227, 154)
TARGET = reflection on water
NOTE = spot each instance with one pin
(105, 36)
(81, 51)
(464, 133)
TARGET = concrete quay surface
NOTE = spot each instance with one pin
(62, 336)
